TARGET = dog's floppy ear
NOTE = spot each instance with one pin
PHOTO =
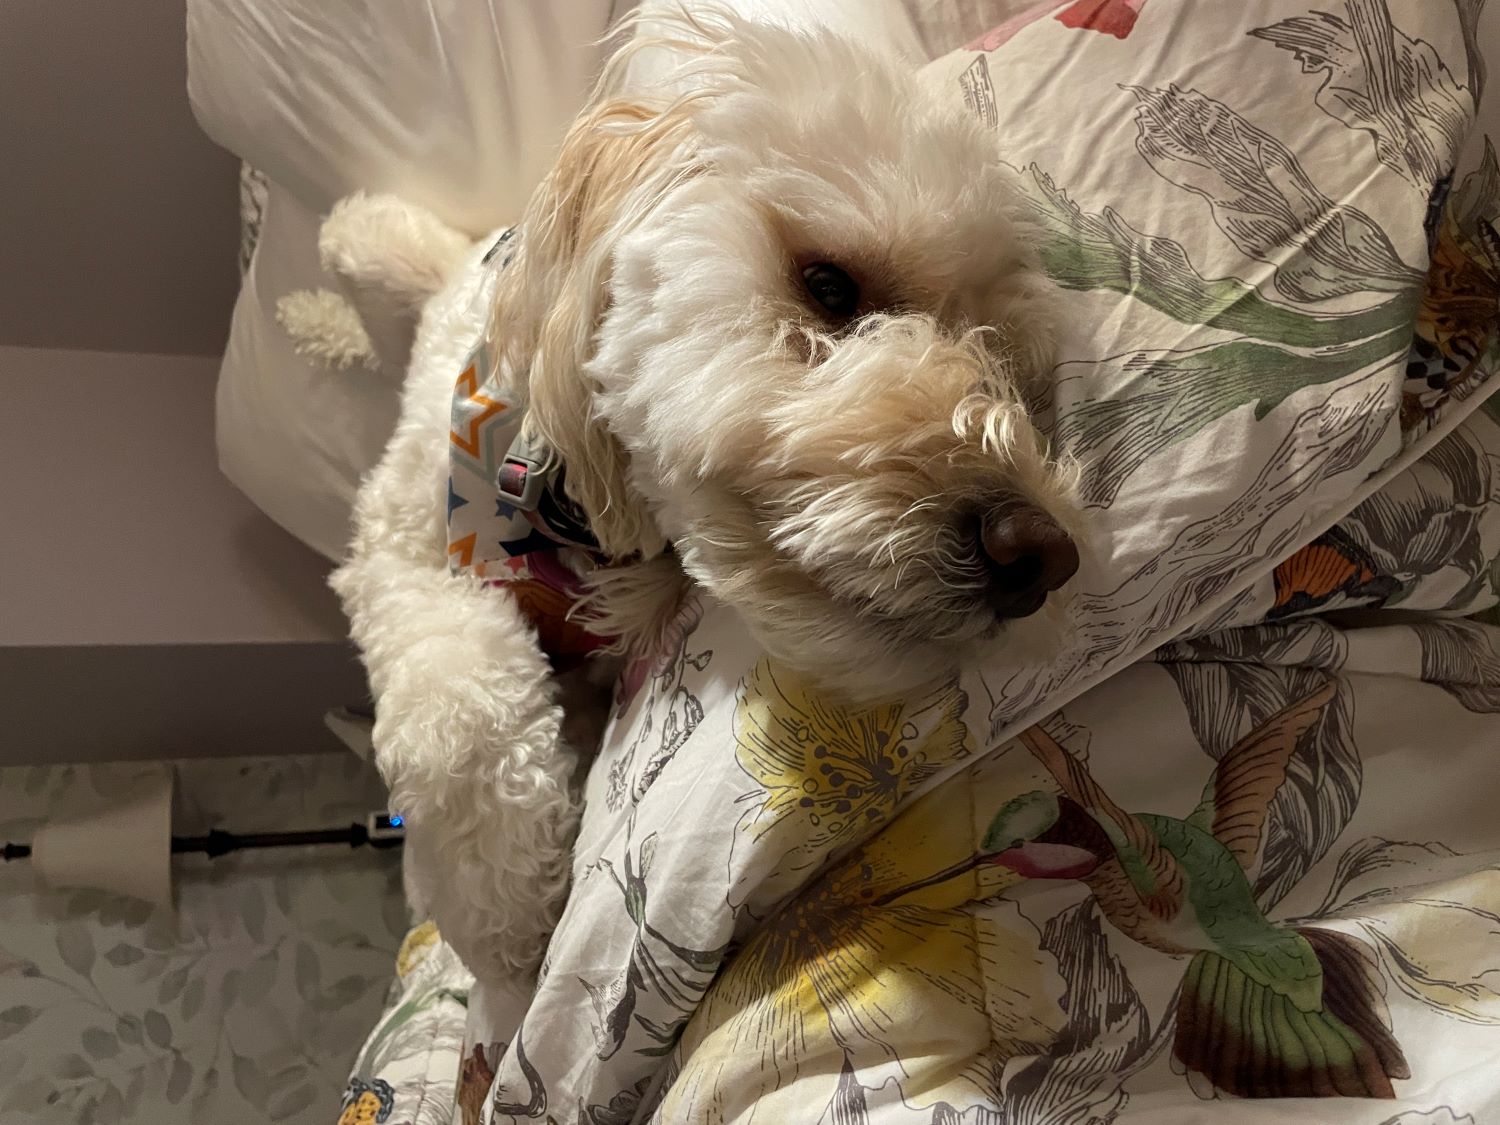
(614, 164)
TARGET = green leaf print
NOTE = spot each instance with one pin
(16, 1019)
(1171, 396)
(1085, 251)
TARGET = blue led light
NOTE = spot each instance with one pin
(397, 821)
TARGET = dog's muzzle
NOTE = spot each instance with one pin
(1029, 556)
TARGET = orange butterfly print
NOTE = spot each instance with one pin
(1457, 320)
(1330, 566)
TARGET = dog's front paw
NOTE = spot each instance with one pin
(451, 708)
(469, 744)
(500, 931)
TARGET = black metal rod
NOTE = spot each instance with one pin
(217, 843)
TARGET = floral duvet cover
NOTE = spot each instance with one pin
(1237, 843)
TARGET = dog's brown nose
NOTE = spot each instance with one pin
(1029, 555)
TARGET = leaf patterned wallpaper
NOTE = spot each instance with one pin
(249, 1006)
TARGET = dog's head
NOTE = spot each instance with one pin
(786, 320)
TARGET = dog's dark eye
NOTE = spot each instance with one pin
(832, 288)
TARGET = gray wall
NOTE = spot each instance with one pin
(147, 609)
(85, 703)
(117, 214)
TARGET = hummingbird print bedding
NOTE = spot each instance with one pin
(1236, 842)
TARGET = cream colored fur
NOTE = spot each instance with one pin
(826, 481)
(388, 258)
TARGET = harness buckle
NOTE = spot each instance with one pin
(522, 479)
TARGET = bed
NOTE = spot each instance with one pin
(1235, 847)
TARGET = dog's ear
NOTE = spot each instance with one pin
(614, 164)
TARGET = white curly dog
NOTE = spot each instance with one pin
(781, 324)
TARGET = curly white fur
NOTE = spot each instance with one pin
(326, 329)
(825, 479)
(388, 258)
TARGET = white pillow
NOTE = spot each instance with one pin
(456, 107)
(293, 436)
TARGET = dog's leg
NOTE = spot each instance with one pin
(389, 256)
(467, 729)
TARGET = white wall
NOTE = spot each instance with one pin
(116, 527)
(147, 609)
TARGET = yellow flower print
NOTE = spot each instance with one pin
(904, 975)
(362, 1111)
(1431, 914)
(415, 947)
(367, 1103)
(1442, 949)
(827, 773)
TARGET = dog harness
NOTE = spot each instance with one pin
(510, 522)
